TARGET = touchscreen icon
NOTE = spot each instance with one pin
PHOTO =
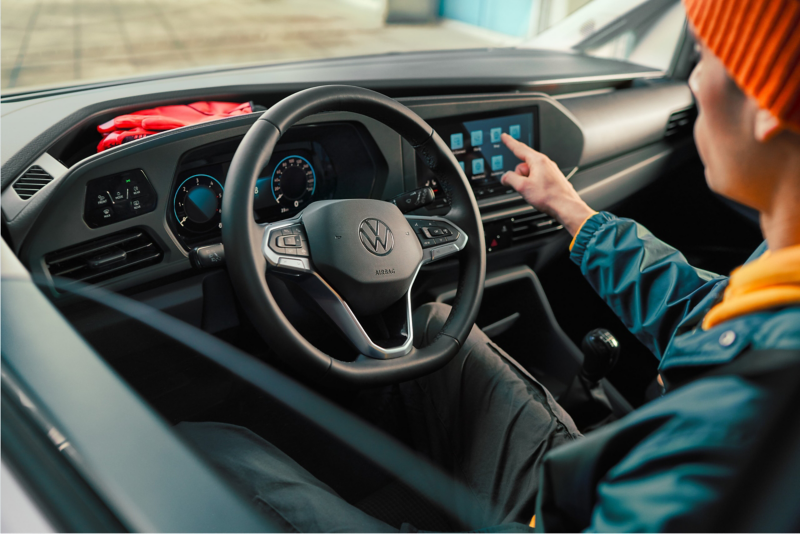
(477, 166)
(476, 137)
(497, 163)
(456, 141)
(515, 131)
(495, 134)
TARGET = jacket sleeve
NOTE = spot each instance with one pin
(648, 284)
(673, 479)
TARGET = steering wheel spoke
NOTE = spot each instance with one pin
(285, 247)
(438, 237)
(340, 313)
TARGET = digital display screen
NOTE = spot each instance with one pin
(477, 146)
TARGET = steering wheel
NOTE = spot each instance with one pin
(354, 257)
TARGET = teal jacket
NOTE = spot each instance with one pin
(670, 460)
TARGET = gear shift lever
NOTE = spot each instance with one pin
(600, 353)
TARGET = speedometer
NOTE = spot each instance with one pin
(197, 202)
(293, 182)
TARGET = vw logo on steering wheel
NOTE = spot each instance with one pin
(376, 237)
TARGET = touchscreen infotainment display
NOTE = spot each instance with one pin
(475, 142)
(477, 146)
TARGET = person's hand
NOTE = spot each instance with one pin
(542, 184)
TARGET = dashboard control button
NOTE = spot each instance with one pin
(101, 217)
(116, 194)
(100, 200)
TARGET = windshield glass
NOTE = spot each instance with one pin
(49, 43)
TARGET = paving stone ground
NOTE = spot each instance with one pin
(47, 42)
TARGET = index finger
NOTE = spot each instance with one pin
(521, 150)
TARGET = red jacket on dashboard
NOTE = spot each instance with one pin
(152, 121)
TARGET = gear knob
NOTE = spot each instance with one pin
(600, 353)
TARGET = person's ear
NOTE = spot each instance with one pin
(767, 126)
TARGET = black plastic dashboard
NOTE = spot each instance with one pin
(610, 140)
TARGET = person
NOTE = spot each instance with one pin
(487, 421)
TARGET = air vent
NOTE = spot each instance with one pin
(105, 258)
(529, 226)
(681, 122)
(31, 182)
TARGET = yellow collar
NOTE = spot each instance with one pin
(771, 281)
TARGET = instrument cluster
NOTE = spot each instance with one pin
(298, 173)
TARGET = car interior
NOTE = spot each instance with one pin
(131, 259)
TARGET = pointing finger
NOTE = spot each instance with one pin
(521, 150)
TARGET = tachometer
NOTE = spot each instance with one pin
(197, 203)
(293, 182)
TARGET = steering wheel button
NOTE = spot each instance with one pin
(446, 231)
(436, 232)
(287, 241)
(440, 240)
(440, 252)
(302, 251)
(427, 243)
(291, 262)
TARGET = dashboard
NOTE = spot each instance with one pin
(133, 214)
(304, 168)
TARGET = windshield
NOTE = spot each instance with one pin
(49, 43)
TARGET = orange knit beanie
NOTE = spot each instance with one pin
(758, 41)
